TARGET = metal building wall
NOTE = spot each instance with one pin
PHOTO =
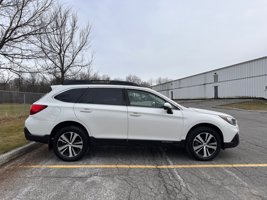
(248, 79)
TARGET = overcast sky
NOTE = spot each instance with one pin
(172, 38)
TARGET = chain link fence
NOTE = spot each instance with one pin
(15, 104)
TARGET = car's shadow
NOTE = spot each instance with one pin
(142, 153)
(160, 153)
(135, 151)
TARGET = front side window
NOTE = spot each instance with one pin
(70, 96)
(144, 99)
(105, 96)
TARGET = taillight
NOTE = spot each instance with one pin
(35, 108)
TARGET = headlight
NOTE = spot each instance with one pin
(229, 119)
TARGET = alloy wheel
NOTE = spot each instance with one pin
(205, 144)
(70, 144)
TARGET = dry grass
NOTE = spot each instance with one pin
(13, 110)
(12, 118)
(249, 105)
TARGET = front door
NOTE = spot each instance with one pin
(149, 121)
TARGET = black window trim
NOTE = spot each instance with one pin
(128, 101)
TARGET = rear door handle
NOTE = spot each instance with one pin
(86, 110)
(135, 114)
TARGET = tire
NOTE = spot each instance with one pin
(71, 143)
(203, 143)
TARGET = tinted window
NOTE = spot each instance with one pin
(71, 95)
(144, 99)
(106, 96)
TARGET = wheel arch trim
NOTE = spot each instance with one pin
(62, 124)
(210, 126)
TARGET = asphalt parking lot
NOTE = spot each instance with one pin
(147, 171)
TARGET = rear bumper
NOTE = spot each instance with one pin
(233, 143)
(29, 136)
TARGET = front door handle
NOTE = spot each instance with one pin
(86, 110)
(135, 114)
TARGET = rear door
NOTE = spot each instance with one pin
(104, 112)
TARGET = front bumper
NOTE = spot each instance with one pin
(233, 143)
(29, 136)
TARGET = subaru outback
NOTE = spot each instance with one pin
(74, 113)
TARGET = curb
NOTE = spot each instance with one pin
(4, 158)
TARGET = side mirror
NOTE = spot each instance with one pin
(167, 106)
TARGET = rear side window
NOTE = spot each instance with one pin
(71, 96)
(105, 96)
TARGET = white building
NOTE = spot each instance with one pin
(246, 79)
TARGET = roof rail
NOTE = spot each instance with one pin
(101, 82)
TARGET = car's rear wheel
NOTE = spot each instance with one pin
(203, 143)
(71, 143)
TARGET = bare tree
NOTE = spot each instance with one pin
(63, 48)
(134, 79)
(105, 77)
(146, 84)
(85, 74)
(138, 80)
(5, 78)
(20, 21)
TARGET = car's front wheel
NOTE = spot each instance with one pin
(71, 143)
(203, 143)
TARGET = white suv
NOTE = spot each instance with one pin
(72, 114)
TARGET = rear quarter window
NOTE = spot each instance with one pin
(70, 96)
